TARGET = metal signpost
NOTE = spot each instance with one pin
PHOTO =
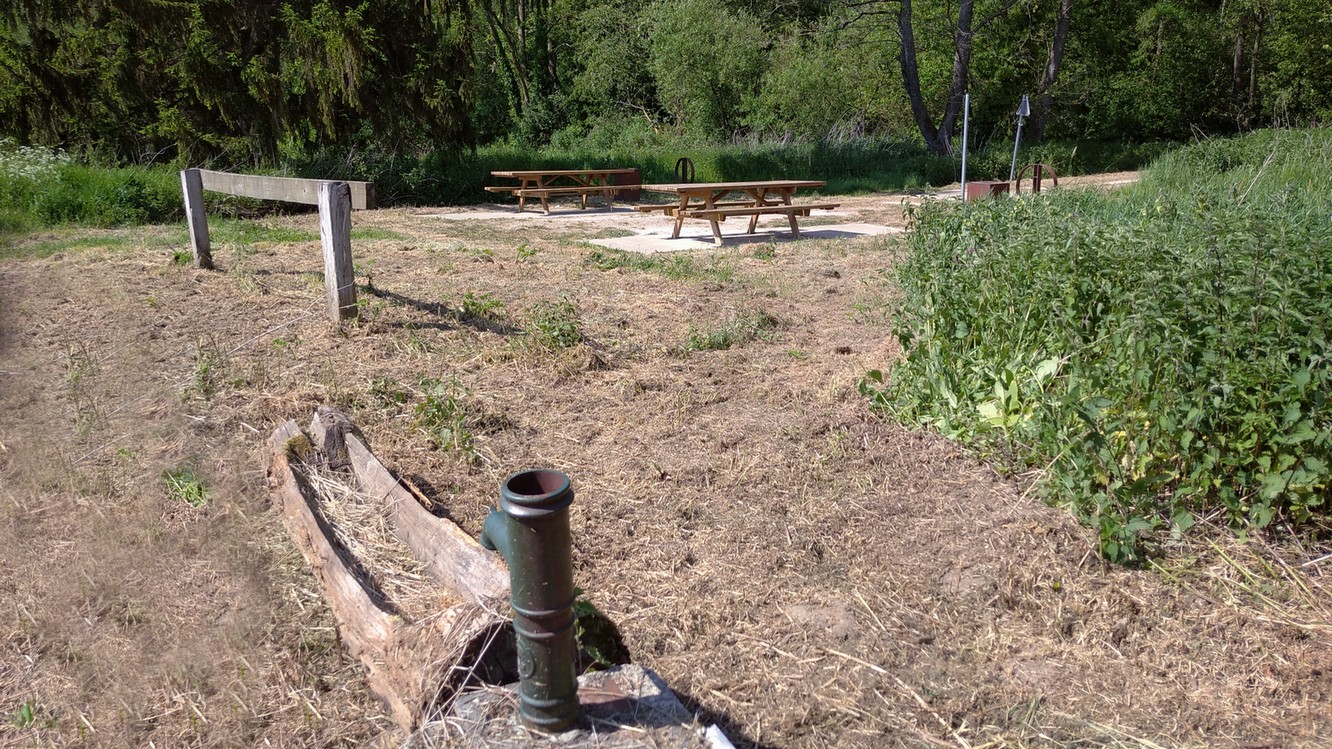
(1024, 110)
(966, 112)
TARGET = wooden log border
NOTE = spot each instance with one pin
(335, 199)
(411, 666)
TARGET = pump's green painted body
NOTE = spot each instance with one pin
(531, 530)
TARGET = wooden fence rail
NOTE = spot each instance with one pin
(335, 201)
(289, 189)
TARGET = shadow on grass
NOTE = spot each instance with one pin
(725, 722)
(446, 317)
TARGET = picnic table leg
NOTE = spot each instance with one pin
(760, 199)
(716, 232)
(710, 203)
(795, 227)
(524, 184)
(679, 217)
(583, 195)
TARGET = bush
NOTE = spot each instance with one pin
(1163, 352)
(41, 186)
(109, 197)
(725, 54)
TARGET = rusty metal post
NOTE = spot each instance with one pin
(531, 529)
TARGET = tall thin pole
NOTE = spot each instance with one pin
(1024, 110)
(1013, 166)
(966, 113)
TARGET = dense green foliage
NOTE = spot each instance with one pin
(146, 81)
(249, 83)
(1163, 351)
(39, 187)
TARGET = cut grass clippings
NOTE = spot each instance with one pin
(740, 515)
(674, 266)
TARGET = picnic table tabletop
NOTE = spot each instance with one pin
(522, 173)
(768, 184)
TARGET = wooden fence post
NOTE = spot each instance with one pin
(191, 184)
(335, 233)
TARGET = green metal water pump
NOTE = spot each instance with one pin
(530, 528)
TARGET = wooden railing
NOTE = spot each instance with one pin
(335, 200)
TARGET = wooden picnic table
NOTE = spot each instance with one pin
(715, 201)
(543, 183)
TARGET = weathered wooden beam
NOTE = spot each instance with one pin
(448, 554)
(290, 189)
(335, 234)
(362, 624)
(410, 665)
(191, 186)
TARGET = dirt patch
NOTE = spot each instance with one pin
(800, 571)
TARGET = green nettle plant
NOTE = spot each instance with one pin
(554, 324)
(1162, 352)
(442, 416)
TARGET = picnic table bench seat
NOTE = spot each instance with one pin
(721, 213)
(791, 211)
(544, 193)
(607, 192)
(544, 183)
(562, 190)
(670, 208)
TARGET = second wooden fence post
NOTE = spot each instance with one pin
(191, 186)
(335, 233)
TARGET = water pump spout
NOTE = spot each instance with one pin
(530, 528)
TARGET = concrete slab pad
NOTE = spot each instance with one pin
(658, 238)
(625, 707)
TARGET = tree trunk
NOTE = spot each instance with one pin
(957, 84)
(1236, 68)
(1253, 70)
(511, 53)
(911, 78)
(938, 140)
(1045, 92)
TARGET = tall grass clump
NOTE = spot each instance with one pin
(98, 196)
(42, 187)
(23, 172)
(1161, 352)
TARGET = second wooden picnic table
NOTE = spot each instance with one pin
(715, 201)
(543, 183)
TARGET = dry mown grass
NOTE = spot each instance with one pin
(801, 572)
